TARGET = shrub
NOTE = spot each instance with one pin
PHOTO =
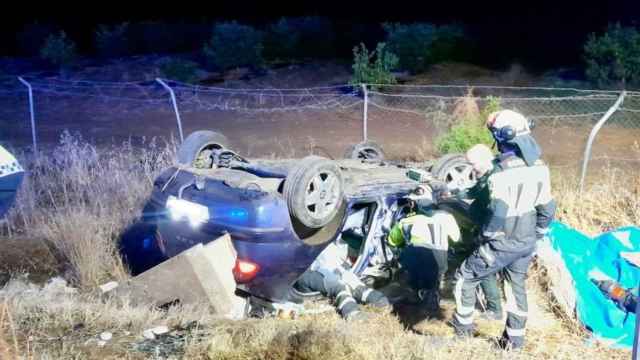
(234, 45)
(468, 130)
(180, 70)
(32, 37)
(613, 57)
(419, 45)
(59, 50)
(299, 37)
(377, 72)
(281, 41)
(154, 37)
(112, 41)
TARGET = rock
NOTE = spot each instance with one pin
(57, 286)
(102, 343)
(106, 336)
(105, 288)
(160, 330)
(156, 331)
(148, 334)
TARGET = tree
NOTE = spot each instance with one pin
(614, 57)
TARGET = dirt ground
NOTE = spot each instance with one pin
(298, 133)
(289, 133)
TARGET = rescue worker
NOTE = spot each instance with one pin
(520, 211)
(330, 275)
(481, 159)
(422, 238)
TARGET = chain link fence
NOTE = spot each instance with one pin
(406, 120)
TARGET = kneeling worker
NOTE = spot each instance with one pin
(422, 239)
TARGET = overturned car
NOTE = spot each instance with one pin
(281, 214)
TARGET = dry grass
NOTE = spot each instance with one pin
(7, 331)
(78, 199)
(61, 321)
(56, 321)
(466, 107)
(611, 199)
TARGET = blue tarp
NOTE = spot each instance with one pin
(599, 257)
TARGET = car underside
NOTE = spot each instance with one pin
(280, 214)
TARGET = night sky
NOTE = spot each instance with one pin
(541, 34)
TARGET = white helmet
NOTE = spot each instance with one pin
(507, 124)
(481, 158)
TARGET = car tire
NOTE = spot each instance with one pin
(192, 151)
(313, 191)
(366, 150)
(455, 171)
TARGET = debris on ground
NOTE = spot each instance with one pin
(199, 275)
(105, 288)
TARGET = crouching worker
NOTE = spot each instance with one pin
(330, 275)
(423, 242)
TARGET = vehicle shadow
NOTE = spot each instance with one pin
(140, 247)
(411, 315)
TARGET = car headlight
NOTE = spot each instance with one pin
(180, 209)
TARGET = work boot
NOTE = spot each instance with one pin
(430, 299)
(369, 296)
(356, 316)
(510, 343)
(507, 345)
(462, 331)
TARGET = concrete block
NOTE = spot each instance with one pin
(200, 274)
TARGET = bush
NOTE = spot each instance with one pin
(180, 70)
(234, 45)
(378, 72)
(112, 41)
(613, 57)
(468, 130)
(419, 45)
(32, 37)
(59, 50)
(281, 41)
(300, 37)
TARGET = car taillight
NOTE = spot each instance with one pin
(245, 271)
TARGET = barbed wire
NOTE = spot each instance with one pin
(517, 88)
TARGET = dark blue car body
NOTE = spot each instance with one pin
(259, 224)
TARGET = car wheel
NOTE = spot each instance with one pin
(455, 171)
(366, 150)
(314, 191)
(196, 149)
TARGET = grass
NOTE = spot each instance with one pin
(78, 199)
(468, 128)
(611, 199)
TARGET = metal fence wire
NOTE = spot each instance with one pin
(406, 120)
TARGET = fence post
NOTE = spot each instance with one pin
(592, 136)
(175, 106)
(366, 108)
(31, 113)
